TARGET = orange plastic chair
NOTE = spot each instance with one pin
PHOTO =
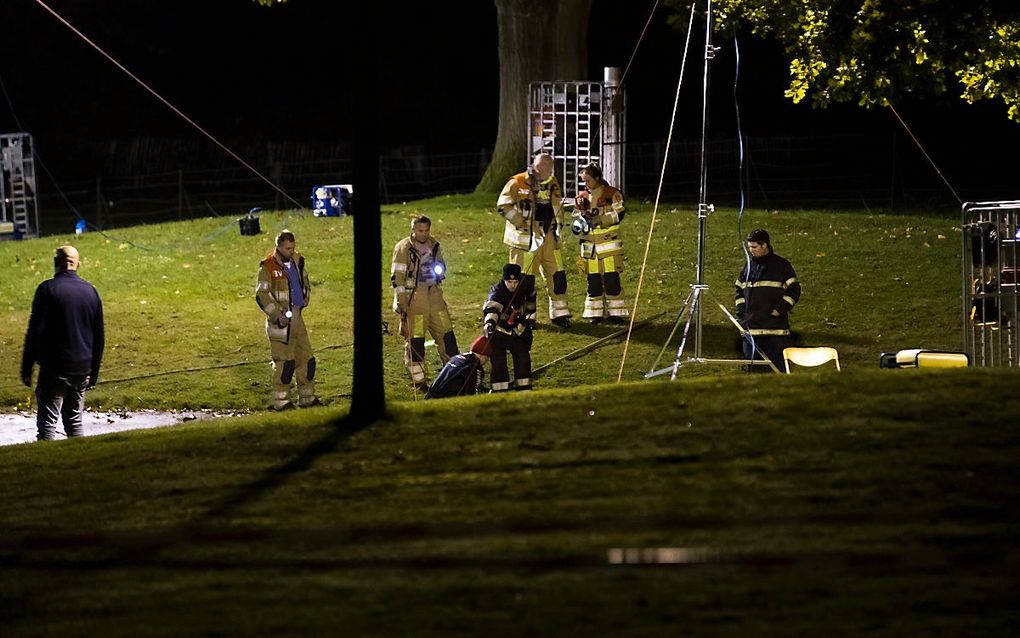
(810, 357)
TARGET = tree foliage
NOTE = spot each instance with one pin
(872, 51)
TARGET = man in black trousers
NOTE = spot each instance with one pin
(65, 337)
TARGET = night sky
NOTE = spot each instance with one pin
(249, 72)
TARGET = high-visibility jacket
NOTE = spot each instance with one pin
(531, 210)
(409, 269)
(273, 293)
(771, 284)
(604, 214)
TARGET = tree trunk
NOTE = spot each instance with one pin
(538, 40)
(368, 396)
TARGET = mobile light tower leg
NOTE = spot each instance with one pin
(694, 303)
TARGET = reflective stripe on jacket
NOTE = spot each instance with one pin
(771, 285)
(272, 293)
(524, 205)
(405, 269)
(605, 238)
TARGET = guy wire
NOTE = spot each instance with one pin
(167, 103)
(658, 195)
(740, 180)
(928, 157)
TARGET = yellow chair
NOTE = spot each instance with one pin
(810, 357)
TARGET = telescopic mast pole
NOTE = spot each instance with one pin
(703, 207)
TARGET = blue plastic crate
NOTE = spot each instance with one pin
(331, 200)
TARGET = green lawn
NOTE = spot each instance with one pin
(864, 503)
(179, 296)
(868, 502)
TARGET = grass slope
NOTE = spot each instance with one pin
(871, 502)
(179, 295)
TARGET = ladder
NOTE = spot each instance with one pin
(565, 120)
(17, 165)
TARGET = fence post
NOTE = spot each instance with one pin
(277, 179)
(99, 201)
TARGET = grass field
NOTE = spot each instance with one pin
(179, 296)
(868, 502)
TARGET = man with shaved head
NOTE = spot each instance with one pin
(65, 337)
(532, 205)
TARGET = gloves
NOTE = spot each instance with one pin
(487, 330)
(26, 378)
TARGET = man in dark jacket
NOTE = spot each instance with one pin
(508, 325)
(65, 337)
(463, 373)
(766, 291)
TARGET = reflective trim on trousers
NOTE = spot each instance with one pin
(501, 386)
(617, 308)
(522, 384)
(558, 308)
(417, 372)
(593, 308)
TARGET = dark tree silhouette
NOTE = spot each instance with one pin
(538, 40)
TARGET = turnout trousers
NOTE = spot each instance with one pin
(519, 348)
(427, 315)
(772, 346)
(293, 361)
(547, 259)
(605, 292)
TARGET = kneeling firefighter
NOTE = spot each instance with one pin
(463, 374)
(597, 220)
(282, 292)
(509, 329)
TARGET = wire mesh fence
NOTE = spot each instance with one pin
(843, 171)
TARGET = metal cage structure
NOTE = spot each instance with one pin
(578, 123)
(991, 279)
(19, 203)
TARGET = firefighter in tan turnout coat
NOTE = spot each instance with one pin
(531, 203)
(282, 292)
(599, 212)
(417, 273)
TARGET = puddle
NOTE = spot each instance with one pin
(19, 427)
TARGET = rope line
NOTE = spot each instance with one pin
(658, 195)
(159, 97)
(928, 157)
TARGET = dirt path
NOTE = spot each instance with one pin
(19, 427)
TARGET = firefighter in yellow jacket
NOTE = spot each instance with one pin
(282, 292)
(532, 205)
(417, 274)
(597, 220)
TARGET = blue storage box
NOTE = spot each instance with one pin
(331, 200)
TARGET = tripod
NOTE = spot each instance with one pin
(693, 306)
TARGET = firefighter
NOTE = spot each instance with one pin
(463, 374)
(508, 329)
(531, 203)
(417, 273)
(766, 292)
(282, 292)
(598, 214)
